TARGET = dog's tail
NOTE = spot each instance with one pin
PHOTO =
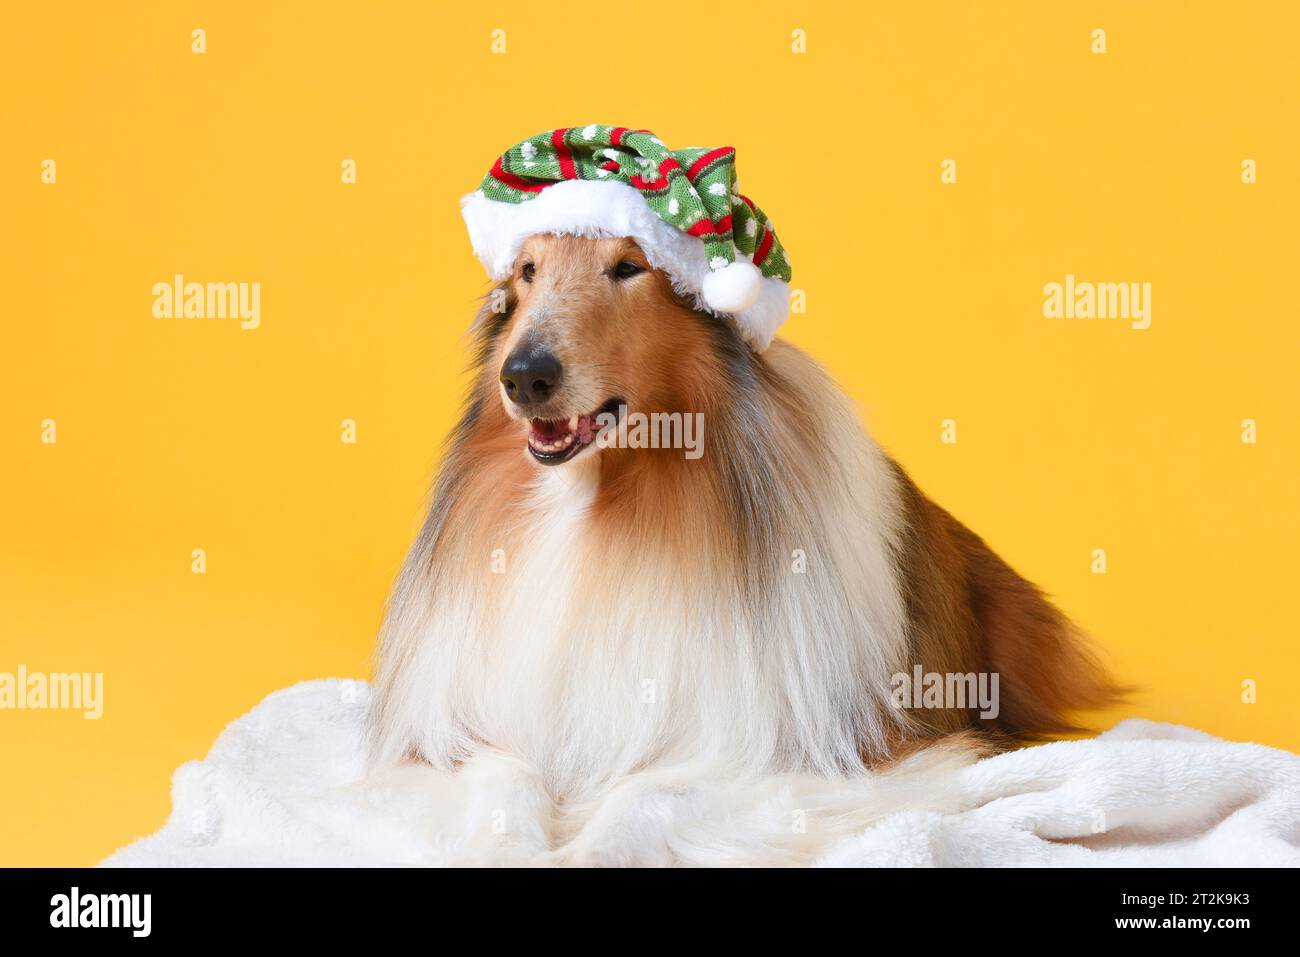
(1048, 671)
(969, 611)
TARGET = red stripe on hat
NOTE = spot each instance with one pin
(616, 135)
(668, 165)
(510, 179)
(764, 248)
(649, 184)
(706, 159)
(609, 165)
(567, 169)
(706, 226)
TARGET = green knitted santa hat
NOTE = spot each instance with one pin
(681, 206)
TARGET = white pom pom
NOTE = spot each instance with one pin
(733, 287)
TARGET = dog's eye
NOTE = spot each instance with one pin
(626, 269)
(528, 272)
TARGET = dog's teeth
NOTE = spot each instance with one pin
(554, 446)
(573, 424)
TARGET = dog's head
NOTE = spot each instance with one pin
(592, 329)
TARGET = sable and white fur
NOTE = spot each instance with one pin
(634, 610)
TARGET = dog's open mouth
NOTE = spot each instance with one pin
(552, 441)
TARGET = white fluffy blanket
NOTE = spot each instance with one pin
(283, 785)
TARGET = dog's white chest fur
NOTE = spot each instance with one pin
(518, 669)
(576, 666)
(591, 666)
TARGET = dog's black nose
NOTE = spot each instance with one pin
(530, 376)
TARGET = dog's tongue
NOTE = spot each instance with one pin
(549, 430)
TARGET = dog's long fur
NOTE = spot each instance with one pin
(648, 612)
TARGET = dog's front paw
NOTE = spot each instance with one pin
(636, 825)
(506, 815)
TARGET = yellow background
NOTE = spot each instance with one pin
(924, 299)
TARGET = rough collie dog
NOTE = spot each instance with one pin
(584, 613)
(597, 610)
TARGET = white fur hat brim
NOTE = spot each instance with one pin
(607, 209)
